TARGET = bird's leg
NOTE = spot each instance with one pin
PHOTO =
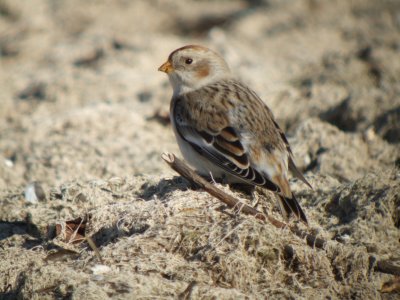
(209, 178)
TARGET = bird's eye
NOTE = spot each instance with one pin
(188, 61)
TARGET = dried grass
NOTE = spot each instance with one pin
(158, 236)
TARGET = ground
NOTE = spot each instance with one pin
(84, 117)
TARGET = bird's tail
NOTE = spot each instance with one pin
(289, 206)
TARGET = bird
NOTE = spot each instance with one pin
(225, 130)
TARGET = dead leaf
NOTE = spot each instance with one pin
(73, 231)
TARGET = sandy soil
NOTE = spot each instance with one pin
(82, 114)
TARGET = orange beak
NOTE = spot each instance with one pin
(166, 67)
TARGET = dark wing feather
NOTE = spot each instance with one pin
(248, 174)
(226, 151)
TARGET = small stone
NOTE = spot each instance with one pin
(100, 269)
(34, 192)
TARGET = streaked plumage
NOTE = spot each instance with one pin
(224, 128)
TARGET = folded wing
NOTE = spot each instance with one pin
(213, 137)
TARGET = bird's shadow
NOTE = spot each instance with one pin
(10, 228)
(163, 188)
(110, 234)
(148, 191)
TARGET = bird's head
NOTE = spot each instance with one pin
(192, 67)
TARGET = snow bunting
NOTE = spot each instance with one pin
(225, 130)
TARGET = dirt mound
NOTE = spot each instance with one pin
(84, 118)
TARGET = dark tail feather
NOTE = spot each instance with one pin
(297, 173)
(289, 206)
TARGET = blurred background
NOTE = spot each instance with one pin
(81, 98)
